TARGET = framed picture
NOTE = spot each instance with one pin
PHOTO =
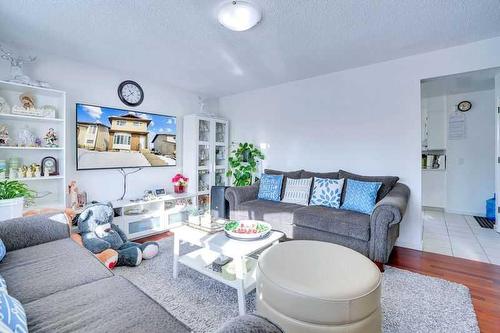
(160, 191)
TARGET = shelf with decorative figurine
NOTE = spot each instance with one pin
(32, 140)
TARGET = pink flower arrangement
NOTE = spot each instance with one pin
(180, 180)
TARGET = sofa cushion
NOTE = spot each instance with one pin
(3, 250)
(270, 187)
(286, 175)
(297, 191)
(12, 315)
(108, 305)
(278, 214)
(388, 182)
(327, 192)
(37, 271)
(338, 221)
(360, 196)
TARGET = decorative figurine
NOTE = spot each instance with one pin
(4, 135)
(51, 138)
(16, 69)
(73, 195)
(26, 138)
(21, 172)
(38, 142)
(35, 170)
(4, 106)
(27, 101)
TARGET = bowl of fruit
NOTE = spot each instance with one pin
(247, 229)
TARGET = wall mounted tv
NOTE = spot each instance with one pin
(109, 138)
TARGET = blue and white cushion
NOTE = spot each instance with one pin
(297, 191)
(327, 192)
(270, 187)
(3, 285)
(3, 250)
(13, 317)
(360, 196)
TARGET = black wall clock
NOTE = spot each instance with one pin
(464, 106)
(130, 93)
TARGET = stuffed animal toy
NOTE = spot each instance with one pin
(99, 233)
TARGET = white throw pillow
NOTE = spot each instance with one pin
(297, 191)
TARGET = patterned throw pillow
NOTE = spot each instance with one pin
(13, 317)
(3, 285)
(360, 196)
(297, 191)
(270, 187)
(3, 250)
(327, 192)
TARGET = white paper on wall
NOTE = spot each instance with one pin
(456, 126)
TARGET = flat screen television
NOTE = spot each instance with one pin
(109, 138)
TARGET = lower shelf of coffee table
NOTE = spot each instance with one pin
(200, 259)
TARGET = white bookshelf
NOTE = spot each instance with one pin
(56, 185)
(205, 154)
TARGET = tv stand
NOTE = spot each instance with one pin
(143, 218)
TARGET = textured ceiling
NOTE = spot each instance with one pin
(181, 43)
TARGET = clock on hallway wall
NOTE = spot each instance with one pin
(130, 93)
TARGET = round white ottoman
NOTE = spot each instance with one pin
(311, 286)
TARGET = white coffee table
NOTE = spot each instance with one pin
(214, 245)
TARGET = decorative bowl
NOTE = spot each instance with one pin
(246, 229)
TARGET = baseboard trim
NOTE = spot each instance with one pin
(462, 212)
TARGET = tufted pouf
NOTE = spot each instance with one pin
(311, 286)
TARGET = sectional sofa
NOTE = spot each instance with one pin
(372, 235)
(64, 288)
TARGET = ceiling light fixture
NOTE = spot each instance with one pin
(239, 15)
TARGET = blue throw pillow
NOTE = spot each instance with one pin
(360, 196)
(13, 317)
(270, 187)
(3, 250)
(3, 285)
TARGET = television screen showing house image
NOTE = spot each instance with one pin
(114, 138)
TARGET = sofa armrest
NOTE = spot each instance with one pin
(238, 195)
(387, 214)
(23, 232)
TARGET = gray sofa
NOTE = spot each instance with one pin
(372, 235)
(64, 288)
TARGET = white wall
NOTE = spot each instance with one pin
(471, 161)
(94, 85)
(365, 120)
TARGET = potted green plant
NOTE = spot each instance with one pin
(13, 194)
(243, 163)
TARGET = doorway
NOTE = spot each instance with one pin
(460, 134)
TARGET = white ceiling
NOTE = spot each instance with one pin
(460, 83)
(181, 43)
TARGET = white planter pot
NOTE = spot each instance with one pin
(11, 208)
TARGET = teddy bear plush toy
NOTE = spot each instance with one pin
(99, 233)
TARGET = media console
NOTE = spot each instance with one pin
(143, 218)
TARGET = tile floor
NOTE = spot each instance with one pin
(460, 236)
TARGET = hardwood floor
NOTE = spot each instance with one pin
(482, 279)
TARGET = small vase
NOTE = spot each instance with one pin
(179, 189)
